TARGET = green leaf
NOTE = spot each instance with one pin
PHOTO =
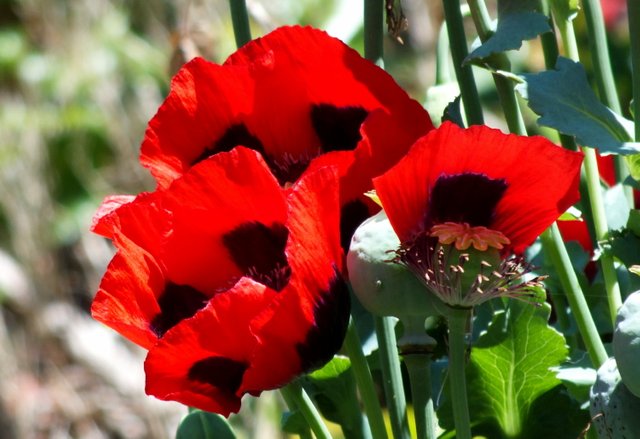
(295, 423)
(578, 380)
(633, 161)
(564, 100)
(518, 20)
(624, 245)
(439, 98)
(204, 425)
(633, 223)
(452, 112)
(616, 207)
(571, 214)
(333, 388)
(510, 369)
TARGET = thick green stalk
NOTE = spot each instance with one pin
(600, 54)
(297, 398)
(373, 30)
(600, 224)
(459, 51)
(419, 368)
(392, 377)
(603, 73)
(458, 319)
(633, 6)
(240, 21)
(554, 247)
(595, 198)
(365, 383)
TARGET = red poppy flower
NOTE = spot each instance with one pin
(230, 281)
(293, 95)
(475, 189)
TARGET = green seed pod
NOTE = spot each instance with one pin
(614, 409)
(386, 288)
(626, 342)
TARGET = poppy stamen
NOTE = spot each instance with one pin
(463, 236)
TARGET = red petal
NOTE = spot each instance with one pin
(542, 179)
(126, 300)
(270, 87)
(221, 330)
(105, 222)
(205, 100)
(215, 197)
(576, 231)
(315, 257)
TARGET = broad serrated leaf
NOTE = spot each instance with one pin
(518, 21)
(510, 369)
(625, 246)
(564, 100)
(204, 425)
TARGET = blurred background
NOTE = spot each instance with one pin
(78, 82)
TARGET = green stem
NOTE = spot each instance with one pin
(464, 74)
(554, 246)
(373, 30)
(600, 54)
(419, 368)
(548, 39)
(297, 398)
(392, 377)
(458, 319)
(600, 225)
(365, 383)
(603, 73)
(595, 200)
(240, 21)
(504, 86)
(633, 6)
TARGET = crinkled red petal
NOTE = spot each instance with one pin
(541, 178)
(220, 330)
(215, 197)
(127, 298)
(307, 321)
(270, 88)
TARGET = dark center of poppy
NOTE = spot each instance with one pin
(331, 317)
(465, 198)
(288, 168)
(235, 135)
(258, 250)
(338, 128)
(177, 302)
(220, 372)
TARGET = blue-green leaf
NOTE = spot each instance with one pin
(564, 100)
(518, 20)
(204, 425)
